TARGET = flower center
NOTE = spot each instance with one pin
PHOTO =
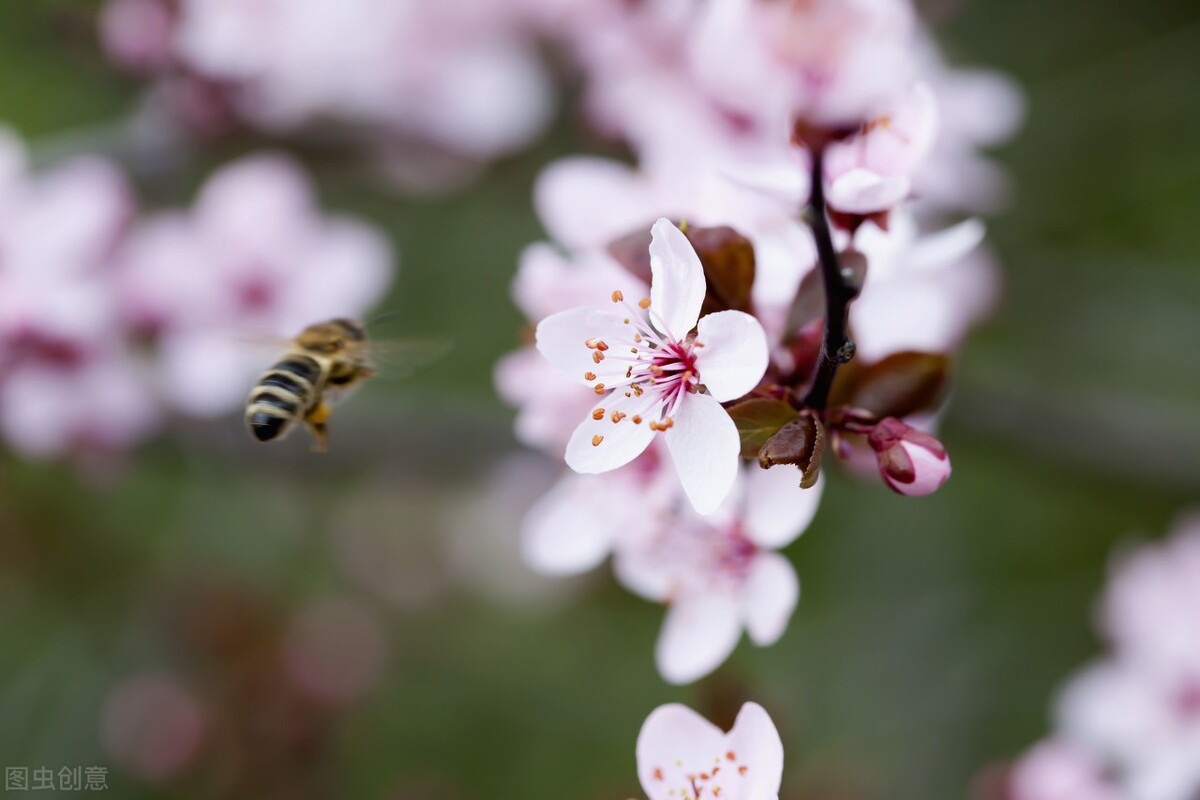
(707, 783)
(659, 369)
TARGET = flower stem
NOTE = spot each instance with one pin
(836, 347)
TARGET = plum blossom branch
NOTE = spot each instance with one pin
(836, 347)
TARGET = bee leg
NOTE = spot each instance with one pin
(316, 421)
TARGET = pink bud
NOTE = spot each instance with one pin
(911, 462)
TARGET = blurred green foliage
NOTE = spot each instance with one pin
(931, 633)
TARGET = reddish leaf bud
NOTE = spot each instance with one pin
(911, 462)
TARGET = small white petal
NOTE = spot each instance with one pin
(599, 445)
(756, 741)
(705, 448)
(567, 531)
(698, 634)
(777, 509)
(562, 338)
(677, 284)
(674, 741)
(769, 597)
(860, 191)
(734, 356)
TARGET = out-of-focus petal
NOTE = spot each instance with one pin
(861, 191)
(777, 509)
(673, 742)
(698, 634)
(769, 597)
(755, 744)
(570, 529)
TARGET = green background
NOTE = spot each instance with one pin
(931, 634)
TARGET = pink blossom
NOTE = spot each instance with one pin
(832, 62)
(720, 574)
(457, 74)
(137, 33)
(549, 403)
(1149, 608)
(1055, 770)
(682, 756)
(1136, 712)
(922, 291)
(69, 380)
(873, 171)
(586, 203)
(583, 518)
(153, 726)
(648, 368)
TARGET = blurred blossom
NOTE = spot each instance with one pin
(720, 575)
(717, 574)
(454, 75)
(254, 257)
(1060, 771)
(152, 726)
(69, 378)
(682, 756)
(922, 291)
(482, 536)
(1136, 714)
(334, 650)
(137, 33)
(107, 321)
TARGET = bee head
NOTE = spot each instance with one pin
(332, 337)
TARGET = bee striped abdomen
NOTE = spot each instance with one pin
(283, 394)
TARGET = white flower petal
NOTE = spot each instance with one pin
(698, 634)
(755, 743)
(769, 597)
(777, 509)
(674, 741)
(861, 191)
(705, 448)
(599, 445)
(734, 356)
(567, 530)
(562, 338)
(677, 284)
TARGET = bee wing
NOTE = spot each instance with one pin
(266, 344)
(400, 357)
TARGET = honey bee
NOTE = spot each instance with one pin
(326, 361)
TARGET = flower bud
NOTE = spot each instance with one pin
(911, 462)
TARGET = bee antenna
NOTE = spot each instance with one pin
(386, 315)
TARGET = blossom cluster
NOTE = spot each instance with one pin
(684, 306)
(109, 321)
(428, 85)
(1128, 727)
